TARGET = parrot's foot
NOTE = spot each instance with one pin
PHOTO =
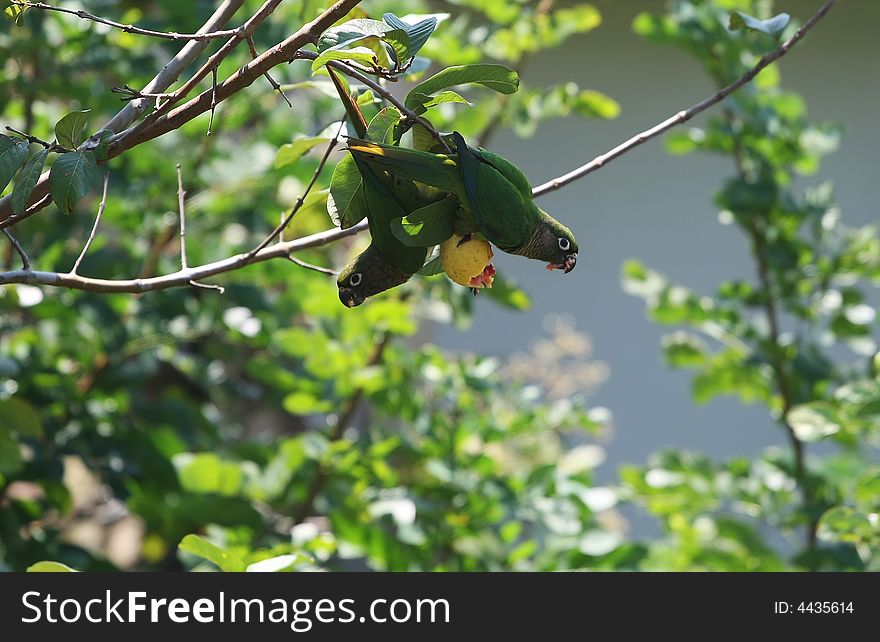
(464, 239)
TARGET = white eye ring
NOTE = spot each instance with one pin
(355, 279)
(564, 244)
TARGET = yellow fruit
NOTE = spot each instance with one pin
(468, 264)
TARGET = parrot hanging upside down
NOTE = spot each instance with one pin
(490, 189)
(386, 262)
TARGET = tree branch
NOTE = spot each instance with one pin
(85, 15)
(685, 115)
(181, 277)
(299, 201)
(362, 78)
(132, 111)
(94, 231)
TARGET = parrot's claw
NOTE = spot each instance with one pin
(464, 239)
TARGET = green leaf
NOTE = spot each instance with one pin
(69, 131)
(367, 50)
(814, 421)
(351, 30)
(868, 490)
(498, 77)
(50, 567)
(417, 34)
(98, 142)
(428, 225)
(772, 27)
(292, 152)
(72, 176)
(843, 524)
(10, 454)
(346, 204)
(12, 155)
(27, 181)
(398, 40)
(305, 403)
(20, 417)
(425, 102)
(206, 550)
(208, 473)
(432, 267)
(14, 13)
(382, 123)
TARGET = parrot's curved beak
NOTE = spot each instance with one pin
(350, 298)
(570, 261)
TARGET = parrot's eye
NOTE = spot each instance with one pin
(564, 244)
(355, 279)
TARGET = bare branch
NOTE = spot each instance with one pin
(685, 115)
(314, 268)
(362, 78)
(181, 208)
(201, 36)
(52, 147)
(253, 49)
(25, 261)
(97, 222)
(181, 277)
(132, 111)
(33, 209)
(213, 62)
(299, 201)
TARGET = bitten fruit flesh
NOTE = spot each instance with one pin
(468, 262)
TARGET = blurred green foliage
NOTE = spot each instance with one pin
(271, 428)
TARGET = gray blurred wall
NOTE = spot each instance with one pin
(659, 209)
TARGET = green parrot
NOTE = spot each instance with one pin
(386, 262)
(496, 194)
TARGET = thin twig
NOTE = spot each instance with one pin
(25, 261)
(181, 208)
(214, 61)
(253, 49)
(312, 266)
(95, 225)
(213, 35)
(213, 98)
(52, 147)
(181, 277)
(132, 111)
(362, 78)
(685, 115)
(299, 201)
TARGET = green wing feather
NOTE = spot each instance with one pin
(505, 216)
(437, 170)
(382, 207)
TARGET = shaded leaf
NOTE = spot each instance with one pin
(206, 550)
(12, 155)
(18, 416)
(72, 176)
(382, 123)
(346, 204)
(27, 181)
(425, 102)
(69, 131)
(292, 152)
(428, 225)
(498, 77)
